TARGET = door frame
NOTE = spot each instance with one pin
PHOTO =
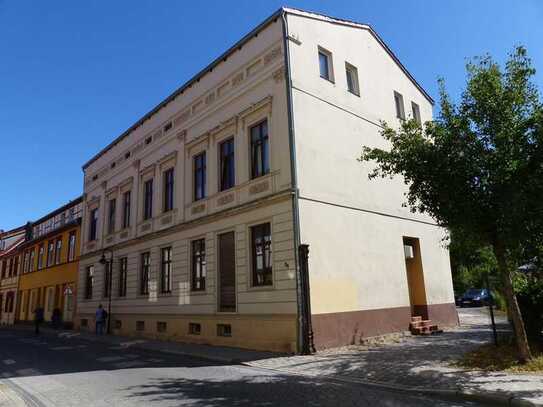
(218, 272)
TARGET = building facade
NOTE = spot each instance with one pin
(10, 260)
(193, 218)
(50, 264)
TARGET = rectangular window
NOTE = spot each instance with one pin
(194, 328)
(227, 168)
(416, 112)
(89, 282)
(166, 270)
(161, 326)
(199, 265)
(108, 271)
(50, 254)
(4, 266)
(200, 176)
(148, 199)
(145, 273)
(58, 251)
(260, 151)
(261, 255)
(325, 64)
(71, 246)
(352, 79)
(224, 330)
(126, 209)
(123, 270)
(398, 100)
(16, 266)
(93, 225)
(140, 325)
(41, 253)
(111, 216)
(31, 261)
(25, 262)
(168, 190)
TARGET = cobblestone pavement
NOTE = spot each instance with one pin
(417, 361)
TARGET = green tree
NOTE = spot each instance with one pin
(477, 168)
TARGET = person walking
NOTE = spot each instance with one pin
(38, 319)
(101, 316)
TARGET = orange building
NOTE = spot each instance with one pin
(50, 262)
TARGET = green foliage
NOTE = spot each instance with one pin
(529, 291)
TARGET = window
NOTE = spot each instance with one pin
(260, 163)
(58, 251)
(31, 261)
(89, 282)
(161, 326)
(227, 175)
(41, 253)
(224, 330)
(4, 266)
(50, 253)
(145, 272)
(84, 322)
(200, 176)
(16, 266)
(398, 100)
(118, 324)
(352, 79)
(108, 271)
(111, 216)
(25, 263)
(71, 246)
(261, 255)
(194, 328)
(126, 209)
(10, 272)
(123, 268)
(199, 265)
(93, 226)
(325, 64)
(168, 190)
(166, 270)
(140, 325)
(148, 199)
(416, 112)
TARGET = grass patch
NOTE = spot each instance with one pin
(502, 358)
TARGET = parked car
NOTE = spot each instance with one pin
(475, 297)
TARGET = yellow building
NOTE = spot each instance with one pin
(50, 262)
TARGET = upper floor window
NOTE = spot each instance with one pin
(198, 268)
(41, 253)
(4, 268)
(58, 251)
(108, 272)
(398, 100)
(31, 261)
(325, 64)
(352, 79)
(50, 253)
(126, 209)
(200, 176)
(166, 270)
(71, 246)
(148, 199)
(93, 225)
(111, 216)
(16, 266)
(261, 254)
(123, 270)
(416, 112)
(260, 151)
(25, 262)
(168, 190)
(145, 273)
(89, 282)
(227, 166)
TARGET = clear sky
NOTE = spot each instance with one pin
(76, 74)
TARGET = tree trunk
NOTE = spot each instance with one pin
(512, 305)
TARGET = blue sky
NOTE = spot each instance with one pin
(74, 74)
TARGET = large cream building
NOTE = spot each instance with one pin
(204, 207)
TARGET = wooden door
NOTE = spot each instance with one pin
(227, 272)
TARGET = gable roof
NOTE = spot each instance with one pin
(281, 11)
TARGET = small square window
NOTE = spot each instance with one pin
(352, 79)
(161, 326)
(140, 325)
(325, 65)
(194, 328)
(148, 140)
(118, 324)
(224, 330)
(127, 155)
(167, 127)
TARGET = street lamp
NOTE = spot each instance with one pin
(109, 270)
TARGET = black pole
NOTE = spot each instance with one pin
(490, 308)
(308, 345)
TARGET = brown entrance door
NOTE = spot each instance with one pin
(227, 273)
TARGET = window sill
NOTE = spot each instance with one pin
(328, 80)
(357, 94)
(198, 292)
(269, 287)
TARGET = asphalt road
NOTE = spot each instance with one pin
(52, 371)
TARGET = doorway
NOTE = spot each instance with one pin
(227, 272)
(415, 277)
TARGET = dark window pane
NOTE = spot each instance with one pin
(261, 255)
(260, 164)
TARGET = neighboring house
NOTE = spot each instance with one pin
(50, 263)
(10, 260)
(206, 204)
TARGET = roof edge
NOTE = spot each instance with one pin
(75, 201)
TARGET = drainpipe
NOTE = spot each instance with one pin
(304, 316)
